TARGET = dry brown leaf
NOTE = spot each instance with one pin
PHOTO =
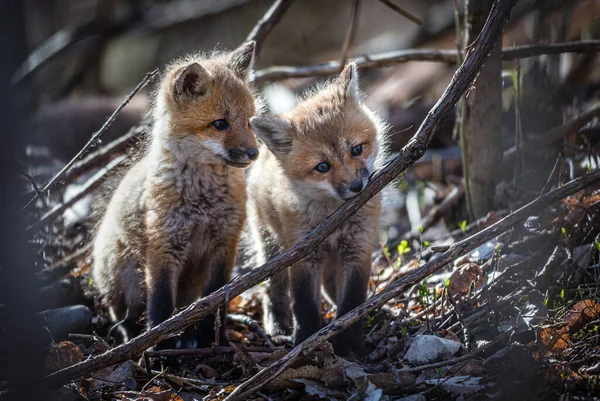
(62, 355)
(554, 339)
(463, 276)
(207, 371)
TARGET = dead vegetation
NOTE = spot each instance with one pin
(493, 300)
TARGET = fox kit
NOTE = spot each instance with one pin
(171, 230)
(316, 156)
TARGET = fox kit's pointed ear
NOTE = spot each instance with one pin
(275, 133)
(348, 81)
(241, 58)
(191, 81)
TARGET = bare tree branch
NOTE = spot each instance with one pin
(271, 18)
(415, 148)
(351, 33)
(93, 140)
(388, 59)
(401, 11)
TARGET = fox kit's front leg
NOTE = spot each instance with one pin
(220, 266)
(306, 293)
(166, 252)
(353, 281)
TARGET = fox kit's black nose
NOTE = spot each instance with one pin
(253, 154)
(242, 153)
(356, 186)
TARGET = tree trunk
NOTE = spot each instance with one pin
(484, 112)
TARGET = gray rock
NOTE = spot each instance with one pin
(427, 349)
(68, 319)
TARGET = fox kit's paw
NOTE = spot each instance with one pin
(348, 344)
(282, 339)
(163, 362)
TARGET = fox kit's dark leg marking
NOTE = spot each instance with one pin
(164, 263)
(353, 278)
(161, 297)
(306, 291)
(219, 273)
(276, 303)
(126, 304)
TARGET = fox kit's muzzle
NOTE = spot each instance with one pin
(241, 156)
(350, 190)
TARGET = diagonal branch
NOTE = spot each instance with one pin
(463, 79)
(388, 59)
(271, 18)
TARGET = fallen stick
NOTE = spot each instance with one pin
(91, 184)
(93, 140)
(461, 81)
(263, 377)
(253, 325)
(388, 59)
(437, 211)
(208, 351)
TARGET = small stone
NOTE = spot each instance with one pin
(427, 349)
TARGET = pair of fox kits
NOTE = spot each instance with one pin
(172, 228)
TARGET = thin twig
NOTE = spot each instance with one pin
(264, 26)
(402, 12)
(415, 149)
(350, 34)
(35, 187)
(207, 351)
(94, 139)
(436, 212)
(466, 333)
(254, 326)
(101, 156)
(389, 59)
(91, 184)
(554, 169)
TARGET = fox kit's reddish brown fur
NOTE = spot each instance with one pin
(170, 232)
(316, 156)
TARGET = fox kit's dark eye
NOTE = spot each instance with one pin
(221, 125)
(357, 150)
(323, 167)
